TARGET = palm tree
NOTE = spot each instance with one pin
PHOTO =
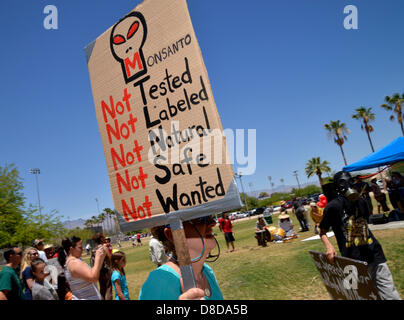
(338, 131)
(95, 220)
(365, 115)
(109, 213)
(101, 219)
(315, 166)
(394, 104)
(89, 223)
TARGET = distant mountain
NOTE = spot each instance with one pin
(73, 224)
(80, 223)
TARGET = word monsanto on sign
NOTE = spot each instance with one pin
(346, 279)
(162, 137)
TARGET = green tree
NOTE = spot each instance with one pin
(252, 202)
(12, 204)
(394, 103)
(338, 131)
(20, 225)
(263, 194)
(83, 234)
(89, 223)
(365, 116)
(306, 191)
(316, 166)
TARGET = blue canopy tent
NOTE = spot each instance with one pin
(392, 153)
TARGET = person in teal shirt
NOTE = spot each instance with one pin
(165, 282)
(118, 278)
(10, 284)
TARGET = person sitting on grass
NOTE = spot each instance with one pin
(287, 225)
(261, 233)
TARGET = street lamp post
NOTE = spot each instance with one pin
(36, 171)
(98, 208)
(250, 184)
(239, 175)
(297, 179)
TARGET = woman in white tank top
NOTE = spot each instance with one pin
(81, 278)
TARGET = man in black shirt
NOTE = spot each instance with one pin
(347, 215)
(299, 210)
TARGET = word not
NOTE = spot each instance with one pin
(51, 20)
(136, 212)
(351, 21)
(167, 51)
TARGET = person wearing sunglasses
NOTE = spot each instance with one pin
(29, 255)
(165, 283)
(10, 284)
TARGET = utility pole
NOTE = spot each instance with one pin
(297, 179)
(36, 171)
(250, 184)
(239, 175)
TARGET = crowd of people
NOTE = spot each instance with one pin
(32, 274)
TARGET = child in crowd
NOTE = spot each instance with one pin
(41, 289)
(118, 278)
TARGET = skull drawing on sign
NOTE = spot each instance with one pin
(127, 39)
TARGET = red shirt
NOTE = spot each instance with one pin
(225, 225)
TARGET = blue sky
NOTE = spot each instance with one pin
(283, 68)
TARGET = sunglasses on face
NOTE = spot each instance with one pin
(203, 220)
(18, 253)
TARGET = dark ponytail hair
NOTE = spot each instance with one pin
(64, 250)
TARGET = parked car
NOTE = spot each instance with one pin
(241, 215)
(314, 197)
(277, 208)
(233, 216)
(259, 211)
(288, 204)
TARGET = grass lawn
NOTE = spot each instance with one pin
(280, 271)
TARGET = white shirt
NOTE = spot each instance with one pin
(42, 255)
(286, 225)
(157, 253)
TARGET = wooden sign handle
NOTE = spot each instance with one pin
(183, 257)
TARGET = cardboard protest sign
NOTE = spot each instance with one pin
(347, 279)
(162, 137)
